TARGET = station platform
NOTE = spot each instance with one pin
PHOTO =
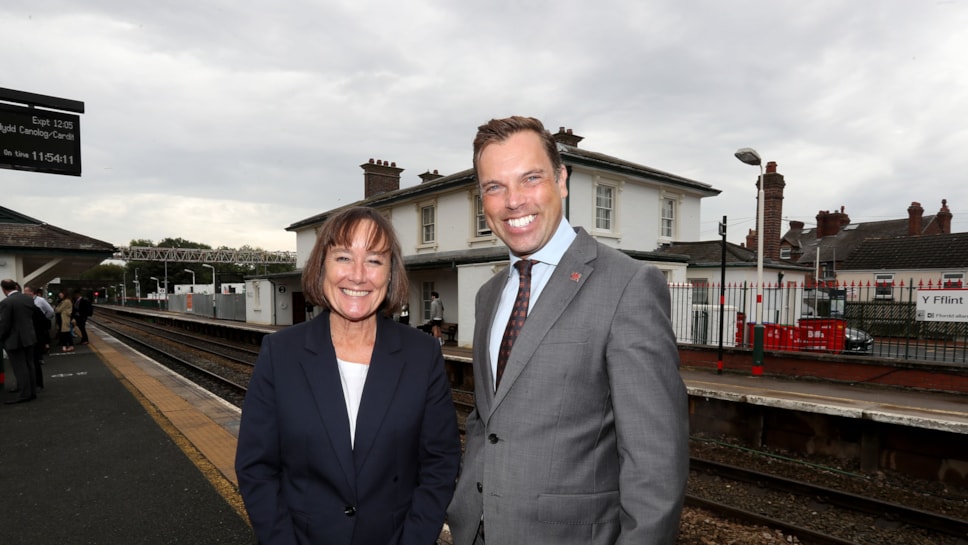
(930, 410)
(116, 449)
(910, 408)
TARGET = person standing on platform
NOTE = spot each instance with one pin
(18, 338)
(43, 317)
(83, 309)
(436, 316)
(579, 433)
(64, 310)
(349, 433)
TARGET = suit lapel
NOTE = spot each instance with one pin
(322, 376)
(567, 279)
(386, 366)
(483, 375)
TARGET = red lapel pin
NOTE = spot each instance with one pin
(575, 276)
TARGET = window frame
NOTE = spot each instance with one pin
(604, 214)
(953, 284)
(672, 221)
(884, 286)
(422, 225)
(700, 290)
(479, 219)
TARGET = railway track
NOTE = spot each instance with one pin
(233, 351)
(226, 375)
(814, 513)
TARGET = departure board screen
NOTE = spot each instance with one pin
(40, 140)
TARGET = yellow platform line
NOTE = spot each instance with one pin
(209, 446)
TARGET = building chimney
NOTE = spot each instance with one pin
(773, 185)
(380, 177)
(565, 136)
(944, 217)
(430, 176)
(796, 225)
(830, 223)
(915, 214)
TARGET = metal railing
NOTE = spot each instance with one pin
(828, 317)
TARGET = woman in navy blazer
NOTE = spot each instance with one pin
(348, 433)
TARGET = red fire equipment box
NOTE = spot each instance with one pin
(823, 334)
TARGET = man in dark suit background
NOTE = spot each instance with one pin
(83, 309)
(18, 338)
(580, 434)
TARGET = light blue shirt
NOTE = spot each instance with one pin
(547, 259)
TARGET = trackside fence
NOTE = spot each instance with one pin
(799, 317)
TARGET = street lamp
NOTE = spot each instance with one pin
(750, 157)
(193, 277)
(213, 276)
(157, 289)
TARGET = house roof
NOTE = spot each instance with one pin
(571, 155)
(841, 246)
(709, 253)
(941, 251)
(28, 235)
(39, 244)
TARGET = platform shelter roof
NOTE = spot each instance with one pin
(42, 252)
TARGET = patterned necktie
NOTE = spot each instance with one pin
(518, 315)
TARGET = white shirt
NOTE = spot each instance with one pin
(352, 376)
(547, 259)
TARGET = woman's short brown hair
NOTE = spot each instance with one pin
(338, 231)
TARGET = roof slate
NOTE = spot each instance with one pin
(570, 155)
(942, 251)
(841, 246)
(28, 235)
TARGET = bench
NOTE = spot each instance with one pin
(448, 329)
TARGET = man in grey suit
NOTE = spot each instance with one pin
(580, 434)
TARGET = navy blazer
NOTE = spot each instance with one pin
(301, 480)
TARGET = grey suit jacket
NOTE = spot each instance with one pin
(586, 441)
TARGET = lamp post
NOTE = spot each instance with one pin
(214, 312)
(213, 276)
(750, 157)
(157, 289)
(193, 278)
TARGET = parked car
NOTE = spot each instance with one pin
(857, 341)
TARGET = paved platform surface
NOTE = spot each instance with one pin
(98, 457)
(917, 409)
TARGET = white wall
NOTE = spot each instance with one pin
(638, 210)
(11, 267)
(188, 288)
(471, 278)
(305, 240)
(259, 302)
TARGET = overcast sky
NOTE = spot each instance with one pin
(223, 122)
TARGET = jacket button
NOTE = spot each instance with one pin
(480, 487)
(349, 510)
(492, 438)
